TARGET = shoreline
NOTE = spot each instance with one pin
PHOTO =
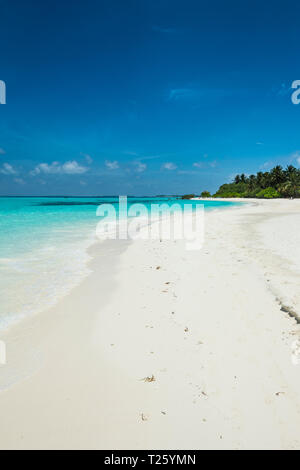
(82, 363)
(74, 277)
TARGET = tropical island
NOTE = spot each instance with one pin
(276, 183)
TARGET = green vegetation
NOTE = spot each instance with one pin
(269, 193)
(188, 196)
(265, 185)
(205, 194)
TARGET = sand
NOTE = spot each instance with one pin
(195, 355)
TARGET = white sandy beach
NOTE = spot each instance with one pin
(209, 326)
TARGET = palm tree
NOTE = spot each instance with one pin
(277, 176)
(267, 180)
(290, 170)
(252, 182)
(260, 179)
(291, 188)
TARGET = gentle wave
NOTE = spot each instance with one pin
(43, 250)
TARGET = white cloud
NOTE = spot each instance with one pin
(55, 168)
(196, 95)
(169, 166)
(140, 167)
(142, 157)
(266, 166)
(19, 181)
(112, 165)
(2, 151)
(8, 169)
(212, 164)
(296, 156)
(73, 168)
(133, 154)
(176, 94)
(88, 158)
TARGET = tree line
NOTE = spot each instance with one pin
(276, 183)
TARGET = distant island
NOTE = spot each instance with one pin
(276, 183)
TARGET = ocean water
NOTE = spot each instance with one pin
(43, 248)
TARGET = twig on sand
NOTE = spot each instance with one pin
(290, 312)
(149, 379)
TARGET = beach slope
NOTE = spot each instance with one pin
(164, 348)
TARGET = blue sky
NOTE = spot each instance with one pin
(145, 97)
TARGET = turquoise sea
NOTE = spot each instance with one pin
(43, 247)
